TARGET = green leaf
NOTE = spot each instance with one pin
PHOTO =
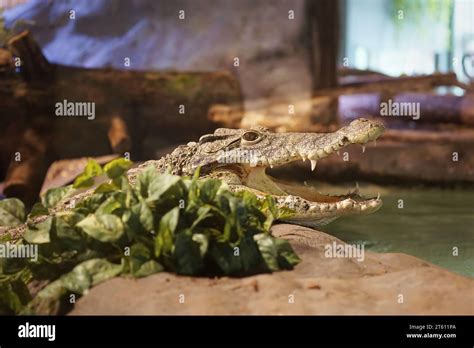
(131, 224)
(197, 173)
(248, 198)
(148, 268)
(72, 217)
(209, 189)
(227, 232)
(169, 221)
(106, 227)
(13, 296)
(89, 273)
(117, 167)
(225, 258)
(160, 185)
(164, 238)
(5, 238)
(271, 210)
(38, 210)
(69, 238)
(139, 254)
(285, 213)
(144, 179)
(77, 281)
(11, 266)
(203, 241)
(85, 275)
(122, 184)
(271, 205)
(139, 263)
(40, 233)
(10, 303)
(202, 214)
(188, 256)
(251, 258)
(268, 249)
(86, 178)
(55, 195)
(12, 212)
(111, 204)
(106, 187)
(277, 253)
(91, 203)
(287, 258)
(48, 300)
(145, 215)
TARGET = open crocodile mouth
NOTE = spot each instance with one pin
(307, 201)
(308, 197)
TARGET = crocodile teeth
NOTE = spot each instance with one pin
(313, 165)
(363, 148)
(324, 207)
(338, 152)
(346, 204)
(378, 196)
(375, 142)
(355, 190)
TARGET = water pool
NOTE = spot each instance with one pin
(431, 223)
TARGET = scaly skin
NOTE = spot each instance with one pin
(239, 158)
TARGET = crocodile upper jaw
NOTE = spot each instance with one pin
(308, 202)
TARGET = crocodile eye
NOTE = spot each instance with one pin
(251, 137)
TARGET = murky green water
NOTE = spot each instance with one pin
(431, 224)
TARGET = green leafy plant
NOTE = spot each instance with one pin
(190, 226)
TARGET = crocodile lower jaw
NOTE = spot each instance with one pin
(312, 207)
(310, 197)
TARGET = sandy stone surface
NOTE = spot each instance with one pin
(318, 285)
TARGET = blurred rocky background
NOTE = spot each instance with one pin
(165, 72)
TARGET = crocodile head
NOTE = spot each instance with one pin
(240, 158)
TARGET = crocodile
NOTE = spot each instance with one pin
(240, 157)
